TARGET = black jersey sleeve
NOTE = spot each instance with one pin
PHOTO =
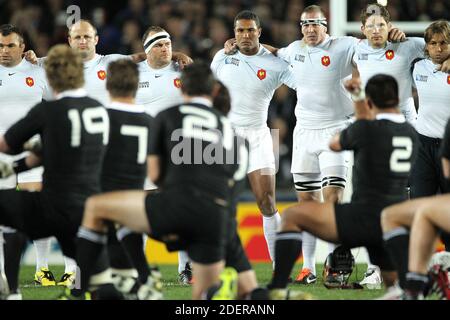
(25, 128)
(156, 141)
(355, 135)
(445, 145)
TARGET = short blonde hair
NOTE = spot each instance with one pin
(64, 68)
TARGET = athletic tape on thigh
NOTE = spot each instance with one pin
(308, 186)
(333, 182)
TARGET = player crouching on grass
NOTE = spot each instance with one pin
(384, 145)
(191, 210)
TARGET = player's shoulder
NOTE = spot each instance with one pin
(271, 61)
(344, 41)
(113, 57)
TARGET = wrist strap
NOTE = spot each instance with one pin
(360, 96)
(20, 165)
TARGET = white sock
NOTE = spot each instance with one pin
(309, 251)
(183, 258)
(71, 265)
(331, 247)
(270, 226)
(42, 247)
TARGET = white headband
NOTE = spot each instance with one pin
(154, 39)
(307, 22)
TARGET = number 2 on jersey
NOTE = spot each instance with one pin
(95, 120)
(401, 156)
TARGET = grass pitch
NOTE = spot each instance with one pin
(174, 291)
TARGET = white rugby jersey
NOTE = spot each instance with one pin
(21, 87)
(394, 60)
(433, 88)
(95, 75)
(251, 81)
(322, 100)
(158, 89)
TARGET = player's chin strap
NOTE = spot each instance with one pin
(154, 39)
(308, 22)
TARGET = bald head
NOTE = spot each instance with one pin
(83, 38)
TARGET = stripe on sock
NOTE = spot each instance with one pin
(123, 232)
(289, 236)
(92, 236)
(416, 277)
(400, 231)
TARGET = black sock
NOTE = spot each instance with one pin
(15, 243)
(288, 246)
(134, 248)
(416, 283)
(397, 244)
(89, 247)
(118, 258)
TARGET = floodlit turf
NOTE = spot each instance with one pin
(174, 291)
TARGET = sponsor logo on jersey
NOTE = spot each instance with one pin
(390, 54)
(177, 83)
(11, 74)
(448, 80)
(0, 82)
(299, 57)
(261, 74)
(158, 76)
(101, 74)
(326, 61)
(29, 81)
(144, 84)
(363, 56)
(231, 60)
(421, 78)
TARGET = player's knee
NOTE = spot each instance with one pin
(290, 218)
(266, 203)
(387, 218)
(93, 208)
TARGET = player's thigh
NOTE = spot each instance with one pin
(261, 155)
(358, 224)
(402, 213)
(206, 275)
(21, 210)
(305, 150)
(316, 218)
(308, 186)
(126, 208)
(437, 210)
(424, 179)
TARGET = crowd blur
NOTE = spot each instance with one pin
(198, 28)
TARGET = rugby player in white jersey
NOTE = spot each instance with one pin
(376, 55)
(427, 172)
(160, 88)
(82, 36)
(251, 75)
(22, 85)
(321, 63)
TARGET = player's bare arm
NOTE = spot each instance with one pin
(182, 59)
(153, 168)
(446, 167)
